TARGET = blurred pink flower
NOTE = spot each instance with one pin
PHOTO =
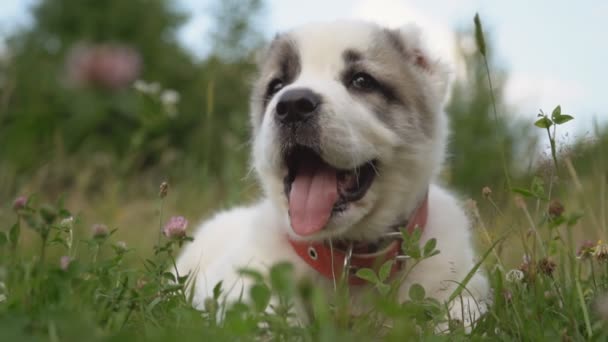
(64, 262)
(100, 230)
(175, 227)
(110, 66)
(20, 203)
(585, 250)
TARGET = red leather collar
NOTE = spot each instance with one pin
(319, 256)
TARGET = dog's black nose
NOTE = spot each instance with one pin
(297, 105)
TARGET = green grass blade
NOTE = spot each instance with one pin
(472, 272)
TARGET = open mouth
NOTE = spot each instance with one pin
(315, 190)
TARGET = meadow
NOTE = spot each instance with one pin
(94, 172)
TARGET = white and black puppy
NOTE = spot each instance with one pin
(348, 135)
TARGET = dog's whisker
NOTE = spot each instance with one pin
(375, 169)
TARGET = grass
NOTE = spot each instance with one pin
(61, 281)
(111, 293)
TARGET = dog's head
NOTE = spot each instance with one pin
(348, 127)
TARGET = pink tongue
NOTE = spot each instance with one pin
(311, 199)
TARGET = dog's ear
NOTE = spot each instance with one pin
(417, 53)
(261, 54)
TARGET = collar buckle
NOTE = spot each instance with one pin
(350, 270)
(397, 236)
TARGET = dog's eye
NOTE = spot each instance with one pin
(274, 86)
(363, 81)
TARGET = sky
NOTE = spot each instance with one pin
(555, 51)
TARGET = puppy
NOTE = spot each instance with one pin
(348, 136)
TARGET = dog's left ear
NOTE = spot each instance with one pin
(417, 53)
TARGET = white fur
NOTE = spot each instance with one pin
(351, 134)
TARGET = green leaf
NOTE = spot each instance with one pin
(182, 280)
(13, 234)
(253, 274)
(537, 190)
(523, 192)
(538, 187)
(153, 304)
(573, 219)
(63, 213)
(368, 274)
(48, 213)
(562, 119)
(481, 44)
(260, 295)
(416, 234)
(429, 247)
(281, 276)
(30, 219)
(412, 250)
(383, 288)
(553, 247)
(417, 292)
(543, 122)
(170, 276)
(472, 272)
(411, 242)
(557, 112)
(435, 252)
(497, 280)
(150, 263)
(172, 288)
(385, 270)
(217, 290)
(556, 222)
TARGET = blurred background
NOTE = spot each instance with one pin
(101, 101)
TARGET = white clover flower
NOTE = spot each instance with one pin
(514, 276)
(67, 222)
(147, 88)
(601, 251)
(121, 246)
(154, 88)
(140, 86)
(169, 97)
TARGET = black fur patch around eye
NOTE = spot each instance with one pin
(383, 88)
(354, 62)
(284, 62)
